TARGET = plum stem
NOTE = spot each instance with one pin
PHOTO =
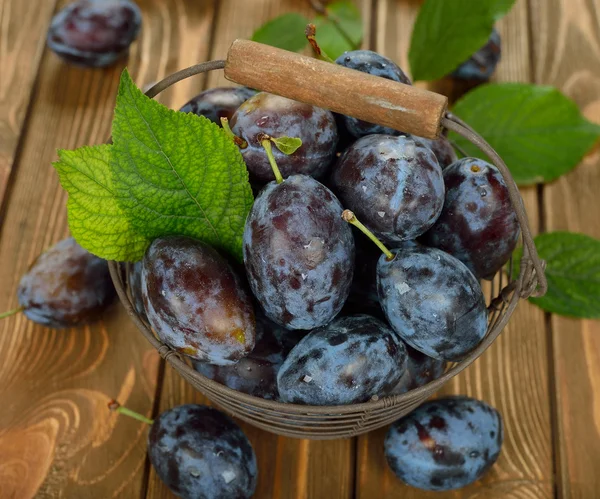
(265, 141)
(11, 312)
(350, 217)
(114, 406)
(241, 143)
(311, 32)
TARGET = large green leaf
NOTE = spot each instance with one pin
(96, 220)
(539, 132)
(573, 272)
(448, 32)
(177, 173)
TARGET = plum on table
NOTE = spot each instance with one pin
(94, 33)
(66, 286)
(445, 444)
(482, 64)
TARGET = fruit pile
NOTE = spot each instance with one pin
(363, 253)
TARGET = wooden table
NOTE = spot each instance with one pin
(57, 438)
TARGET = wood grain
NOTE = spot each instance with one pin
(288, 468)
(566, 51)
(513, 374)
(56, 434)
(20, 55)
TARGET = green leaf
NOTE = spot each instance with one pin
(573, 272)
(502, 7)
(334, 39)
(347, 15)
(287, 145)
(95, 219)
(285, 32)
(448, 32)
(539, 132)
(178, 173)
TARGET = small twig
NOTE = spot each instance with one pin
(321, 9)
(310, 33)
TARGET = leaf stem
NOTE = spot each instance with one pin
(241, 143)
(350, 217)
(265, 141)
(311, 32)
(11, 312)
(114, 406)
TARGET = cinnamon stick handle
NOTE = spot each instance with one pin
(340, 89)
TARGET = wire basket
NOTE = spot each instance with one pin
(331, 422)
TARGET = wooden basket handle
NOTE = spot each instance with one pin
(340, 89)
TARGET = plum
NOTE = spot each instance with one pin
(348, 361)
(374, 64)
(277, 116)
(420, 370)
(432, 301)
(217, 103)
(94, 33)
(478, 224)
(199, 453)
(482, 64)
(195, 302)
(443, 150)
(66, 286)
(445, 444)
(393, 184)
(299, 254)
(256, 374)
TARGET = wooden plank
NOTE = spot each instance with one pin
(20, 55)
(513, 374)
(288, 468)
(56, 434)
(566, 51)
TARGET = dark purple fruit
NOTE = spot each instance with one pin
(445, 444)
(299, 253)
(432, 301)
(256, 374)
(94, 33)
(374, 64)
(195, 302)
(218, 103)
(482, 64)
(394, 185)
(443, 150)
(478, 224)
(420, 370)
(199, 453)
(278, 117)
(66, 286)
(348, 361)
